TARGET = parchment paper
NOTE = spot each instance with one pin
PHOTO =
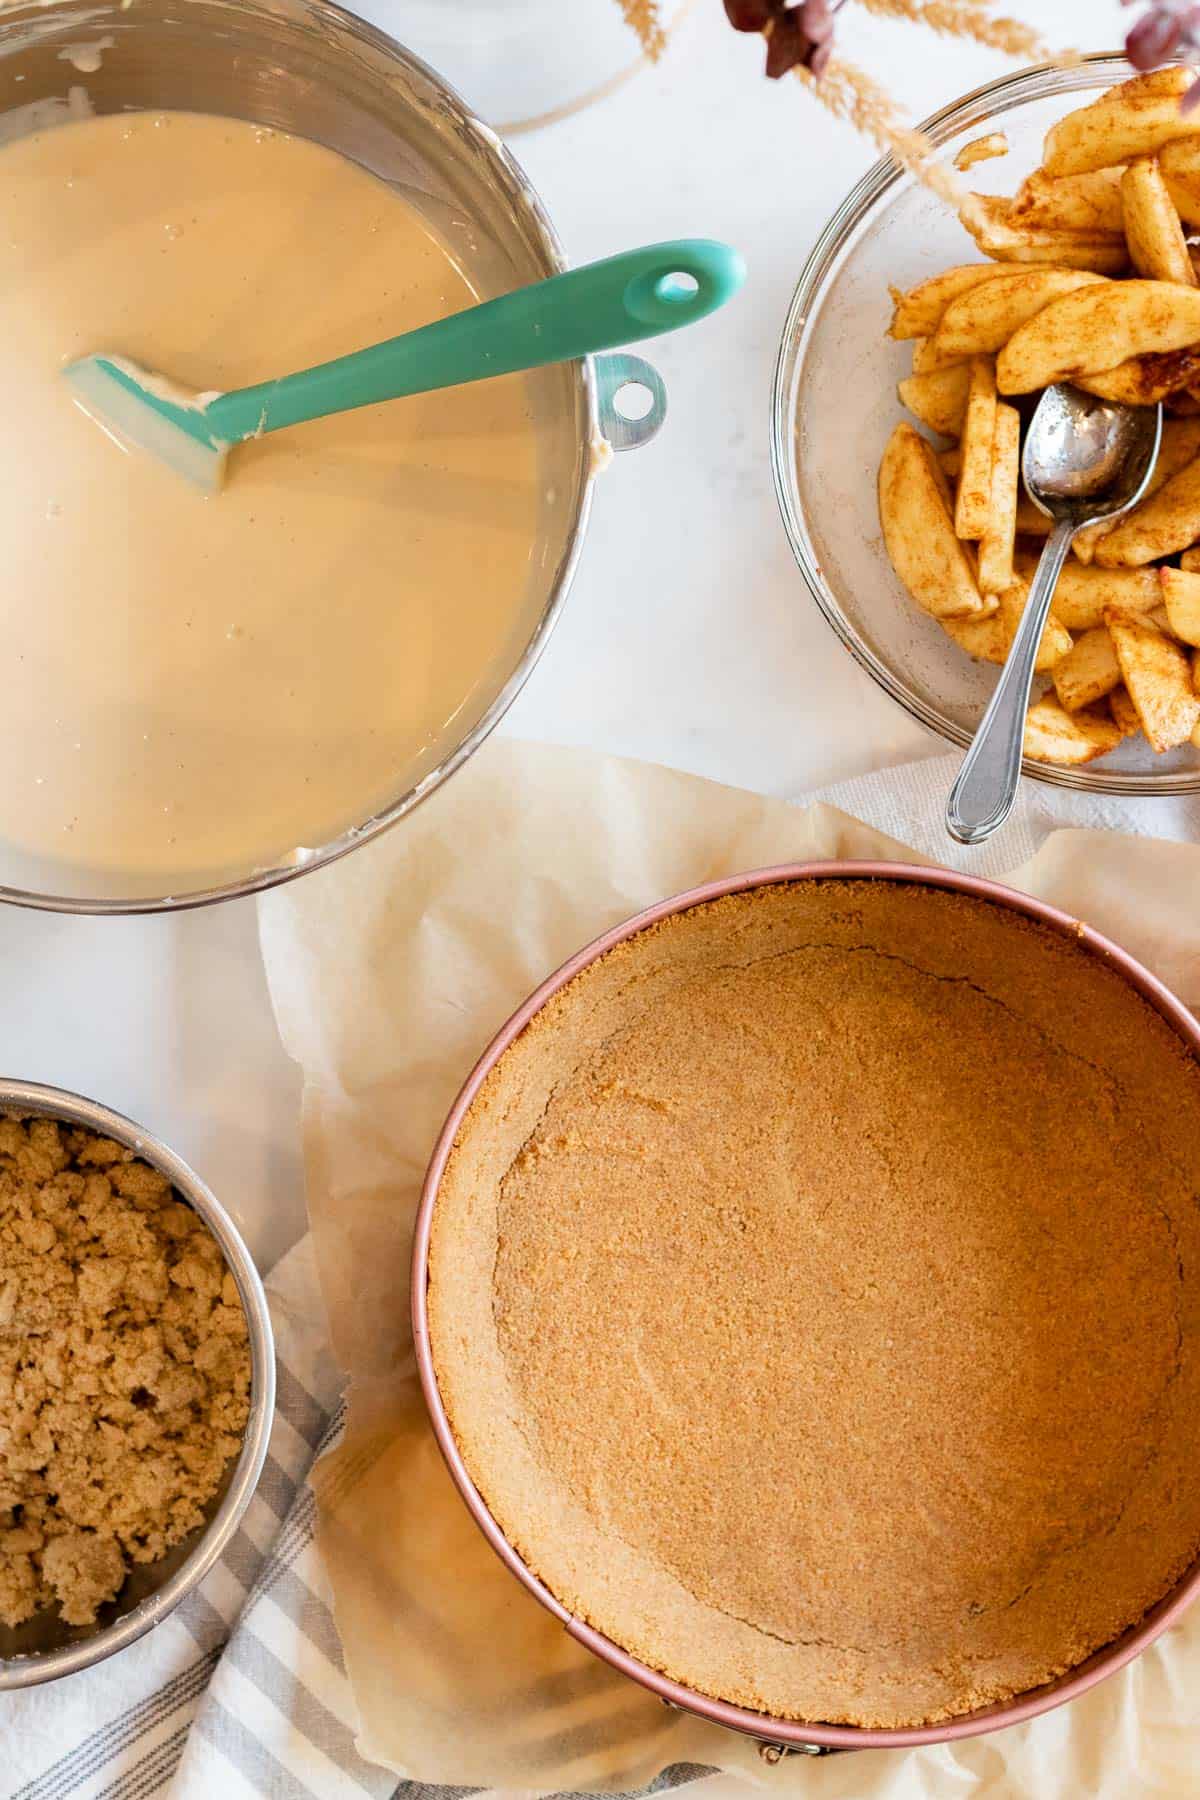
(389, 973)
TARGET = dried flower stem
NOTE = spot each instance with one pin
(849, 93)
(643, 16)
(966, 19)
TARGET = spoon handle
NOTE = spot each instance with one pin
(981, 798)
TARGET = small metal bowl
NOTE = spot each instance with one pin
(45, 1648)
(779, 1735)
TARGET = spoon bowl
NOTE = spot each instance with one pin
(1085, 461)
(1088, 459)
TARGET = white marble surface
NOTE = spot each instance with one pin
(688, 638)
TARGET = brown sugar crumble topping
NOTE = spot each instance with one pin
(124, 1368)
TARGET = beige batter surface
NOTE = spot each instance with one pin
(196, 685)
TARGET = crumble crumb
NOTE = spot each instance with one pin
(124, 1368)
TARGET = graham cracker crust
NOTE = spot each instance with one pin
(814, 1297)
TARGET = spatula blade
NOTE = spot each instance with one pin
(143, 412)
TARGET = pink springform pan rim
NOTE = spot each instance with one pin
(786, 1732)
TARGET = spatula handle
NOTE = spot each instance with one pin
(622, 300)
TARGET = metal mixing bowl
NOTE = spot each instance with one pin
(307, 67)
(835, 405)
(774, 1733)
(45, 1647)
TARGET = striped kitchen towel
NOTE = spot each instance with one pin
(241, 1691)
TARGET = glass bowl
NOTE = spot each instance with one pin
(522, 63)
(835, 405)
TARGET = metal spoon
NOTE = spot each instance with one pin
(1084, 460)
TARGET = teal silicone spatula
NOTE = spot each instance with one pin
(626, 298)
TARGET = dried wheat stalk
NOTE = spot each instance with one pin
(644, 17)
(966, 19)
(849, 93)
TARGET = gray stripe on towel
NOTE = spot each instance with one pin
(152, 1773)
(310, 1615)
(228, 1735)
(277, 1487)
(81, 1763)
(302, 1412)
(203, 1621)
(293, 1540)
(678, 1775)
(243, 1558)
(304, 1712)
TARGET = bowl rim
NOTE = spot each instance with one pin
(336, 21)
(980, 106)
(76, 1109)
(784, 1733)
